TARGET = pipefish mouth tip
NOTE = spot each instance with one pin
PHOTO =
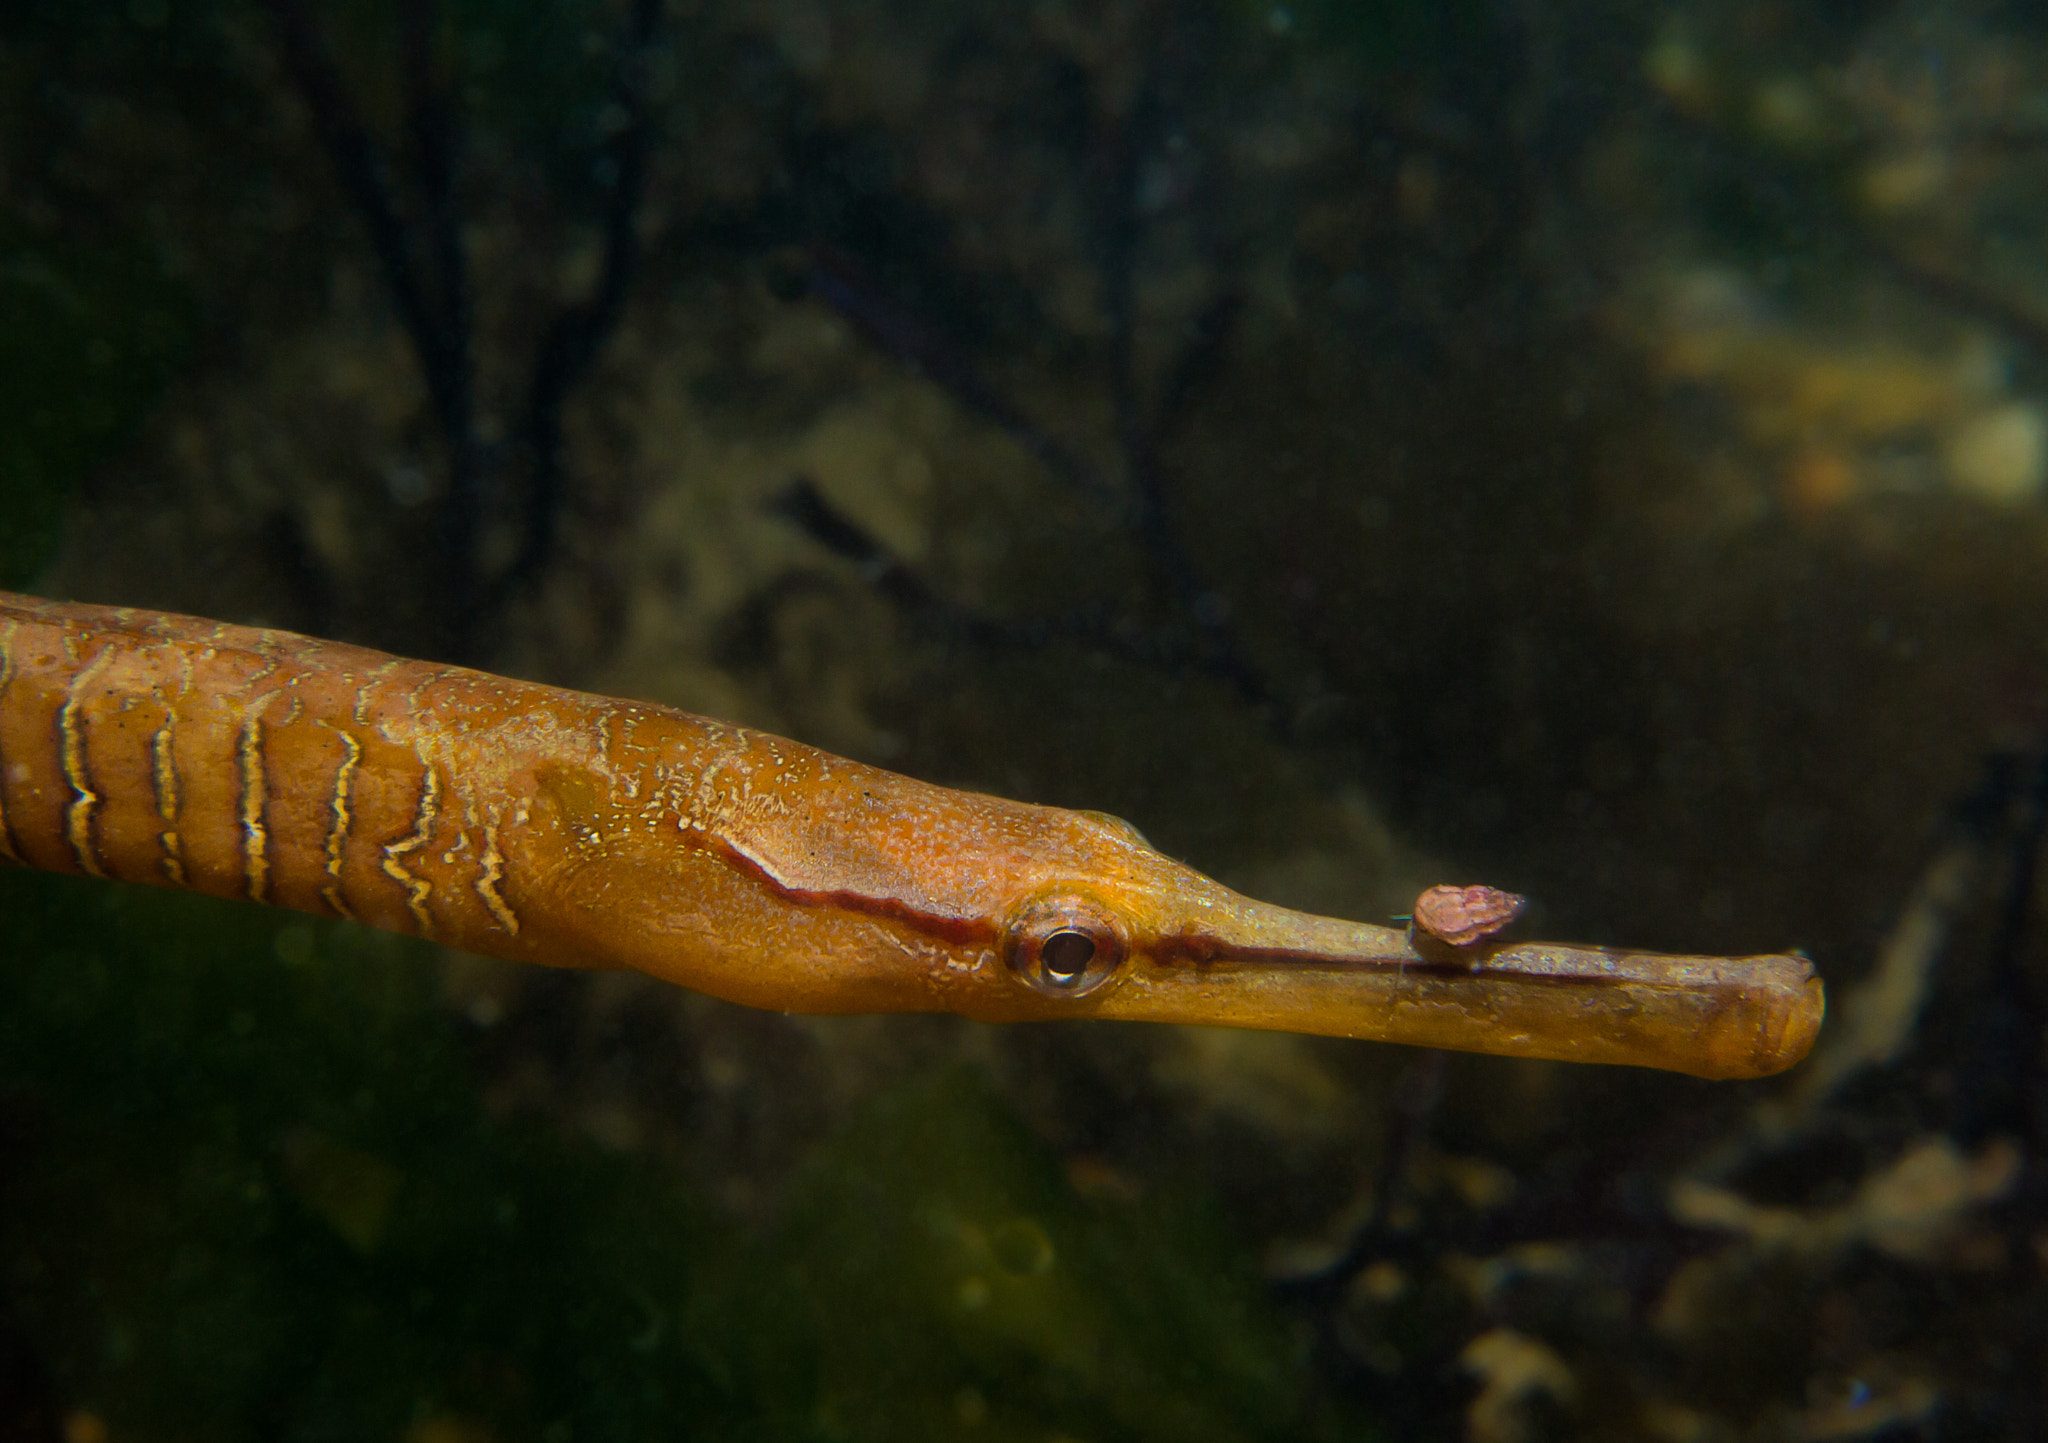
(1803, 1018)
(1775, 1022)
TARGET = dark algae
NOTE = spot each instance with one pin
(967, 1248)
(317, 1232)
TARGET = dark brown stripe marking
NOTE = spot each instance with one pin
(164, 775)
(255, 839)
(337, 833)
(71, 754)
(487, 881)
(417, 889)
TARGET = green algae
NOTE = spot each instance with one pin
(248, 1190)
(966, 1289)
(173, 1260)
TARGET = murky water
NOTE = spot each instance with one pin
(1591, 451)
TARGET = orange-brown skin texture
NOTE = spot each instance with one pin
(551, 826)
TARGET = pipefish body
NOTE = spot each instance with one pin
(543, 825)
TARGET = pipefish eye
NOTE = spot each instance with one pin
(1066, 955)
(1065, 946)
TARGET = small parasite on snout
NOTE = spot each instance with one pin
(1464, 915)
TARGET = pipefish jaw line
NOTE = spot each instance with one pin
(1007, 912)
(1203, 955)
(549, 826)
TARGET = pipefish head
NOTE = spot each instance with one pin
(1137, 936)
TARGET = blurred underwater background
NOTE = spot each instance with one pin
(1597, 450)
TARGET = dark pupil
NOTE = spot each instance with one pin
(1066, 955)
